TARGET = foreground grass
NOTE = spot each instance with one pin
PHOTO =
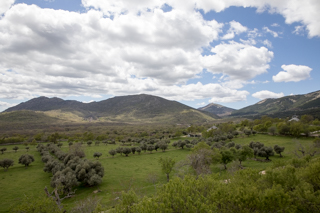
(121, 173)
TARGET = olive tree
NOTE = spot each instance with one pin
(278, 149)
(15, 148)
(112, 152)
(26, 159)
(266, 152)
(3, 149)
(126, 151)
(97, 155)
(6, 163)
(64, 181)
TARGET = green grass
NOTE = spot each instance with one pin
(121, 172)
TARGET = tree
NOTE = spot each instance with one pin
(89, 143)
(97, 143)
(163, 146)
(272, 130)
(15, 148)
(244, 153)
(26, 159)
(126, 151)
(278, 149)
(6, 163)
(167, 165)
(27, 148)
(88, 172)
(133, 149)
(150, 148)
(226, 157)
(64, 181)
(247, 132)
(119, 150)
(266, 152)
(97, 155)
(112, 152)
(60, 145)
(70, 143)
(77, 150)
(181, 144)
(138, 149)
(3, 149)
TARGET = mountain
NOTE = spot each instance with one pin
(217, 109)
(132, 108)
(286, 106)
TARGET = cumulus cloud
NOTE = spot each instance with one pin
(235, 29)
(5, 5)
(267, 94)
(293, 73)
(238, 61)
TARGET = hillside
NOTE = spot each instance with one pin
(217, 109)
(132, 108)
(285, 105)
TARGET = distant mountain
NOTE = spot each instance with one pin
(130, 108)
(217, 109)
(287, 106)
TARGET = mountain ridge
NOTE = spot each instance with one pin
(119, 108)
(217, 109)
(284, 104)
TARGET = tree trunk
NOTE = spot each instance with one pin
(168, 177)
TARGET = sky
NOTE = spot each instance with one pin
(230, 52)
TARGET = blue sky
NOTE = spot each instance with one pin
(229, 52)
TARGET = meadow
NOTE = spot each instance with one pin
(141, 172)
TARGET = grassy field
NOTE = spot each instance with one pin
(121, 173)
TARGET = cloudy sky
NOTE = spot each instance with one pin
(231, 52)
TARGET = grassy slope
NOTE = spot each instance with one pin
(120, 172)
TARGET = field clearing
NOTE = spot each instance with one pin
(121, 173)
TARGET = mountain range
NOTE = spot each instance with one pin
(285, 106)
(132, 108)
(152, 109)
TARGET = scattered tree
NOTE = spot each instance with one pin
(6, 163)
(278, 149)
(226, 157)
(126, 151)
(27, 148)
(112, 152)
(15, 148)
(97, 155)
(26, 159)
(89, 143)
(167, 165)
(266, 152)
(3, 149)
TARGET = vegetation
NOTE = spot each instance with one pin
(214, 159)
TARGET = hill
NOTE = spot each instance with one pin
(217, 109)
(132, 108)
(287, 105)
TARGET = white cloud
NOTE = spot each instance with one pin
(267, 94)
(292, 72)
(275, 25)
(5, 5)
(235, 29)
(238, 61)
(273, 33)
(5, 105)
(267, 43)
(201, 104)
(298, 30)
(305, 12)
